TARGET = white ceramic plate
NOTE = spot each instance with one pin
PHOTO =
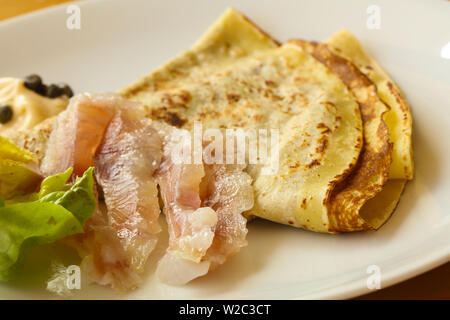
(120, 41)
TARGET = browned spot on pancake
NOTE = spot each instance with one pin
(175, 119)
(359, 143)
(291, 222)
(270, 83)
(390, 85)
(313, 163)
(323, 144)
(325, 127)
(233, 98)
(303, 205)
(185, 96)
(170, 117)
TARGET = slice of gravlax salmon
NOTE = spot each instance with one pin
(113, 135)
(129, 155)
(203, 206)
(228, 190)
(77, 133)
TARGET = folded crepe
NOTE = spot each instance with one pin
(398, 119)
(344, 128)
(237, 76)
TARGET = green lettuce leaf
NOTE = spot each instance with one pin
(18, 170)
(55, 183)
(59, 210)
(79, 199)
(25, 225)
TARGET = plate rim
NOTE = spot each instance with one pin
(348, 290)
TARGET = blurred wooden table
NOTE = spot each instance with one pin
(11, 8)
(434, 284)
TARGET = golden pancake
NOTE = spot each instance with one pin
(398, 119)
(236, 76)
(372, 169)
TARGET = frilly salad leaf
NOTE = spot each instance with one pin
(18, 170)
(9, 150)
(59, 210)
(79, 198)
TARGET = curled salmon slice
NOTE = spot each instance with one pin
(129, 155)
(77, 133)
(110, 133)
(189, 225)
(228, 191)
(203, 206)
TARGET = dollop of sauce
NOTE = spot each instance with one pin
(29, 108)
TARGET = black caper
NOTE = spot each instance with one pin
(33, 82)
(6, 113)
(54, 91)
(65, 89)
(42, 90)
